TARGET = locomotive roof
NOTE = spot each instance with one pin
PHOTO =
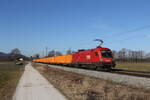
(101, 48)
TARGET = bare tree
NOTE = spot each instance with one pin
(15, 51)
(57, 53)
(115, 54)
(31, 57)
(69, 51)
(54, 53)
(36, 56)
(15, 54)
(51, 53)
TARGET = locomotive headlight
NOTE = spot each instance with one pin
(101, 60)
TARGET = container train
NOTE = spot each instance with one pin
(97, 58)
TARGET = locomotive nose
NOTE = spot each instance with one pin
(106, 60)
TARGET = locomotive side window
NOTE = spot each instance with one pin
(96, 54)
(106, 53)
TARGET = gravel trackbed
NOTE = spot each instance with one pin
(33, 86)
(139, 82)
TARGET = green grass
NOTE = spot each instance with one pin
(9, 76)
(134, 66)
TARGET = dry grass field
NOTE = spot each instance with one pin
(10, 74)
(80, 87)
(134, 66)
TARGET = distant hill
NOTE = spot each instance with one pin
(11, 57)
(4, 54)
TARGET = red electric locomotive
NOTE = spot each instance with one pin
(94, 58)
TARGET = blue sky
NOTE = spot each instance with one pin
(32, 25)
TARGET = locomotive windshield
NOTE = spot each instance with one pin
(106, 53)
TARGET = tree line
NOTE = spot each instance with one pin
(131, 56)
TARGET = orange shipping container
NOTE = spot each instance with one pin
(50, 59)
(65, 59)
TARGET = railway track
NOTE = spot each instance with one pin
(124, 72)
(128, 72)
(120, 71)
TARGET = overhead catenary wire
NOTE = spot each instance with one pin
(118, 35)
(133, 30)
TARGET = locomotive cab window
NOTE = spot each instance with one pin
(106, 53)
(96, 54)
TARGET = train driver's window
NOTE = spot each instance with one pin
(96, 53)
